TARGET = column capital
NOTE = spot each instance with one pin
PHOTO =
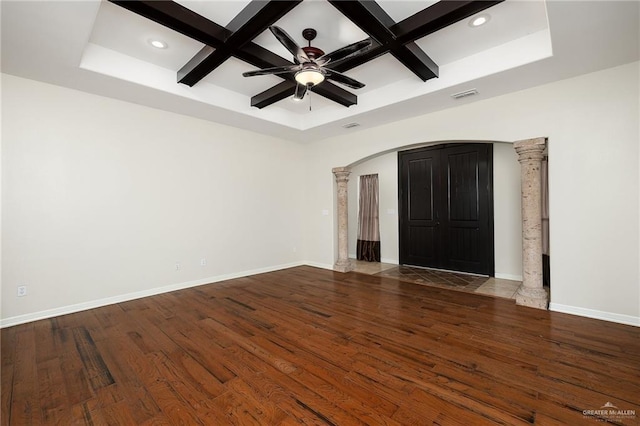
(529, 142)
(530, 149)
(341, 173)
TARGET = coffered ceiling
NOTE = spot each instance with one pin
(103, 48)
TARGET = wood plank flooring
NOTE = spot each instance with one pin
(309, 346)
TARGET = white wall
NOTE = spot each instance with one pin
(101, 198)
(592, 125)
(507, 212)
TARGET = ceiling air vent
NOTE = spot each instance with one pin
(464, 94)
(351, 125)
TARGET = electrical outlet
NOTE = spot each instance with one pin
(178, 266)
(22, 290)
(203, 262)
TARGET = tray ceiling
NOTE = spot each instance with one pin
(103, 48)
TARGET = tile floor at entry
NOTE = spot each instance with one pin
(469, 283)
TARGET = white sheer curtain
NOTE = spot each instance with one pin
(368, 247)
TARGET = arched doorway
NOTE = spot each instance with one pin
(532, 293)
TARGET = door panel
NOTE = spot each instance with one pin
(421, 198)
(417, 249)
(446, 207)
(462, 186)
(420, 178)
(467, 217)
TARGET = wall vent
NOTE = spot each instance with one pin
(351, 125)
(464, 94)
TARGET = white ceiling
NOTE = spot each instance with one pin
(102, 48)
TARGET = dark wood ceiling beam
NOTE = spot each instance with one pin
(274, 94)
(260, 57)
(372, 19)
(256, 17)
(178, 18)
(287, 88)
(335, 93)
(251, 53)
(436, 17)
(386, 36)
(421, 24)
(415, 59)
(195, 64)
(376, 49)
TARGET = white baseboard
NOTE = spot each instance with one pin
(69, 309)
(35, 316)
(592, 313)
(318, 265)
(508, 276)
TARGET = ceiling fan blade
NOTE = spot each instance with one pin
(301, 90)
(289, 44)
(342, 79)
(274, 70)
(321, 62)
(346, 52)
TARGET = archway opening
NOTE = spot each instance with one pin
(507, 206)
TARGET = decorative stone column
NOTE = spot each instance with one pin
(531, 292)
(343, 263)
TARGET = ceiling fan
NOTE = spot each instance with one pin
(310, 62)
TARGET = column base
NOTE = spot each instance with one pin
(532, 297)
(344, 265)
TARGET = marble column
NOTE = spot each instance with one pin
(531, 292)
(343, 263)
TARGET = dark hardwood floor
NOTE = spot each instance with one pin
(311, 346)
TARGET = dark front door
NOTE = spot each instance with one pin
(446, 207)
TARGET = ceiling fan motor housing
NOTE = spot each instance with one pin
(313, 52)
(310, 34)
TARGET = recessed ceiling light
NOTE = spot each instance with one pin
(158, 44)
(479, 20)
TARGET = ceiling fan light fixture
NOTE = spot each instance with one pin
(479, 20)
(309, 77)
